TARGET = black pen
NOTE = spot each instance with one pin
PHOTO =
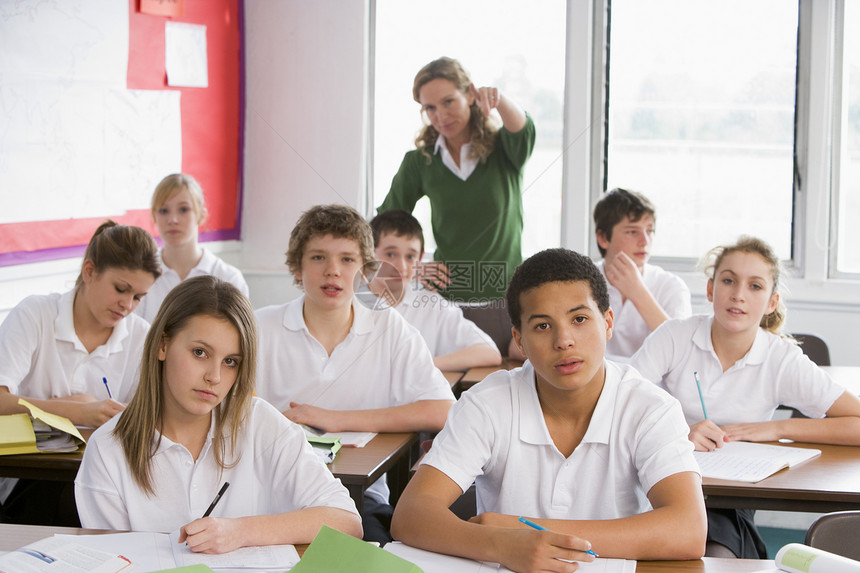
(217, 499)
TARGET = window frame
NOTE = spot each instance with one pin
(810, 273)
(811, 282)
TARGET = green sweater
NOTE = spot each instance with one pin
(477, 223)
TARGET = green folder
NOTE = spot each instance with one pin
(336, 552)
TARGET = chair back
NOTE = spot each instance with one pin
(837, 533)
(814, 347)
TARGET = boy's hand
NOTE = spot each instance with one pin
(623, 274)
(313, 416)
(212, 535)
(707, 436)
(753, 432)
(433, 275)
(528, 551)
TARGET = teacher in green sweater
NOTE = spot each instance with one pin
(472, 173)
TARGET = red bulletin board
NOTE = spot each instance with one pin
(211, 134)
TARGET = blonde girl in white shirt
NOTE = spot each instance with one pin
(194, 424)
(178, 209)
(747, 368)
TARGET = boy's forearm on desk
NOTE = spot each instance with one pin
(424, 415)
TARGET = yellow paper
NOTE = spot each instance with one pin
(53, 420)
(16, 435)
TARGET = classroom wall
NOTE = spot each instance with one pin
(305, 125)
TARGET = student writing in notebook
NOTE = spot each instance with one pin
(194, 424)
(330, 362)
(582, 446)
(455, 342)
(178, 209)
(746, 368)
(59, 349)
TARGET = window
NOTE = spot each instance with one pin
(847, 141)
(517, 47)
(701, 118)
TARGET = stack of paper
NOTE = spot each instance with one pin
(325, 447)
(45, 433)
(351, 439)
(749, 461)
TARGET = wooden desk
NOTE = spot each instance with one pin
(15, 536)
(475, 375)
(53, 467)
(453, 377)
(829, 482)
(357, 468)
(708, 565)
(847, 376)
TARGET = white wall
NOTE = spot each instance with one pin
(305, 118)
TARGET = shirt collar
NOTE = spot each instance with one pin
(362, 322)
(533, 428)
(467, 162)
(64, 326)
(757, 353)
(165, 444)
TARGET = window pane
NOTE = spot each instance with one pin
(521, 51)
(848, 252)
(701, 117)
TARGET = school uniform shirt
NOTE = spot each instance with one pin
(382, 362)
(629, 329)
(43, 357)
(276, 473)
(209, 265)
(774, 372)
(440, 322)
(496, 436)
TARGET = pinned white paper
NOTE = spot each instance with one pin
(185, 55)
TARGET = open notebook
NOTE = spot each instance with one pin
(431, 562)
(750, 461)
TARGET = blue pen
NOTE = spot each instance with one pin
(536, 526)
(701, 398)
(107, 388)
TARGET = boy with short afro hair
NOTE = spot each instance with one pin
(642, 296)
(455, 342)
(330, 363)
(585, 447)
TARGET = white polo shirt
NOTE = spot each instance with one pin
(774, 372)
(629, 329)
(43, 357)
(277, 473)
(496, 435)
(209, 265)
(440, 322)
(383, 362)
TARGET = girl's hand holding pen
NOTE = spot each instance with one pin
(707, 436)
(212, 535)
